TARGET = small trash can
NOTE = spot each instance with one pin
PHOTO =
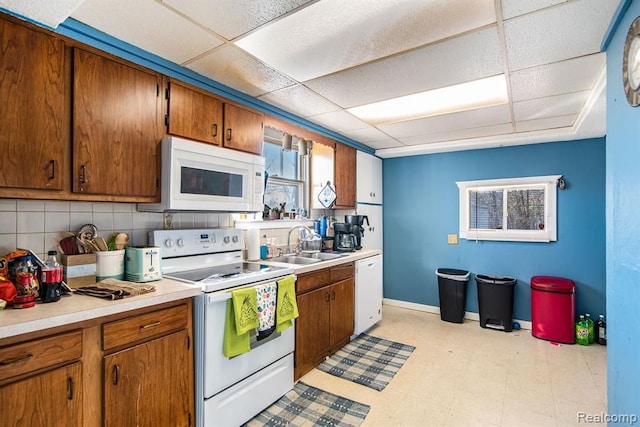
(553, 309)
(495, 301)
(452, 291)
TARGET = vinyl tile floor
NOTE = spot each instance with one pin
(464, 375)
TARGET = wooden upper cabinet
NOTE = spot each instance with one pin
(32, 114)
(243, 129)
(193, 114)
(116, 127)
(345, 176)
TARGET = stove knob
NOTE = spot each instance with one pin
(235, 239)
(226, 239)
(168, 243)
(180, 242)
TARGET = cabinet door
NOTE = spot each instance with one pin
(342, 312)
(32, 115)
(115, 127)
(369, 182)
(372, 234)
(345, 177)
(148, 385)
(194, 115)
(312, 330)
(53, 398)
(242, 129)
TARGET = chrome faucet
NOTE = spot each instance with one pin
(310, 231)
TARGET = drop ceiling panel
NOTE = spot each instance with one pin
(458, 135)
(387, 143)
(511, 8)
(549, 123)
(304, 44)
(47, 12)
(449, 122)
(300, 100)
(233, 67)
(573, 75)
(139, 26)
(551, 106)
(465, 58)
(232, 18)
(339, 121)
(367, 135)
(565, 31)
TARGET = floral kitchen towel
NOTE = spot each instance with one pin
(286, 308)
(266, 305)
(245, 309)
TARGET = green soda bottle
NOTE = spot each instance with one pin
(582, 331)
(591, 326)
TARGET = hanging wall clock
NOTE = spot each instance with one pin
(631, 64)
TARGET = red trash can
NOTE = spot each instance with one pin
(553, 309)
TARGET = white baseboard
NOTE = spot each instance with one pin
(469, 315)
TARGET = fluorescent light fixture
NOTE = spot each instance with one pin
(451, 99)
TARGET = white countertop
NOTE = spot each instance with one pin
(76, 308)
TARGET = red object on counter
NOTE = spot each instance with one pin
(553, 309)
(24, 301)
(7, 291)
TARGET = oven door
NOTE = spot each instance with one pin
(220, 372)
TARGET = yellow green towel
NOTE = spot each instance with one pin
(286, 307)
(233, 344)
(241, 317)
(245, 309)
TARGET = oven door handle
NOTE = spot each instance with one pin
(218, 297)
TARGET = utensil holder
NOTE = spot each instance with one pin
(110, 264)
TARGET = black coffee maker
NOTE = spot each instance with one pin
(344, 239)
(357, 221)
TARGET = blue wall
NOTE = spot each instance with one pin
(421, 208)
(623, 232)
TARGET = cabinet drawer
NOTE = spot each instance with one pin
(341, 272)
(313, 280)
(144, 326)
(42, 353)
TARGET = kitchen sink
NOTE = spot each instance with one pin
(295, 259)
(322, 256)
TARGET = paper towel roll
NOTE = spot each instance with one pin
(253, 244)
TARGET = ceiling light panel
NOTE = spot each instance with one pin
(178, 42)
(545, 124)
(449, 122)
(551, 106)
(469, 57)
(232, 18)
(557, 33)
(233, 67)
(573, 75)
(452, 99)
(300, 100)
(333, 35)
(511, 8)
(47, 12)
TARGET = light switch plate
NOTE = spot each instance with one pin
(452, 239)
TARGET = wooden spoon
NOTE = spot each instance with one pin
(121, 241)
(100, 243)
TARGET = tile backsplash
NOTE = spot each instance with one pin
(37, 224)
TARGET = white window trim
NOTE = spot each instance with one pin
(549, 234)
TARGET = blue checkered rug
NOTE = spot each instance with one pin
(306, 405)
(368, 360)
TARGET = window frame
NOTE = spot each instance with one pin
(548, 182)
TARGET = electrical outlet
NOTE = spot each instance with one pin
(452, 239)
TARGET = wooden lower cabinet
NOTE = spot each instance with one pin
(53, 398)
(326, 318)
(145, 386)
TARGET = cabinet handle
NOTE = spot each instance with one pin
(214, 129)
(83, 174)
(18, 359)
(52, 163)
(70, 388)
(150, 325)
(372, 194)
(229, 134)
(333, 295)
(328, 297)
(116, 374)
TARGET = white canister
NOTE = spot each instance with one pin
(110, 264)
(253, 244)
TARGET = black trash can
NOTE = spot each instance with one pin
(452, 290)
(495, 301)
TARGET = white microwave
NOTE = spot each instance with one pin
(202, 177)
